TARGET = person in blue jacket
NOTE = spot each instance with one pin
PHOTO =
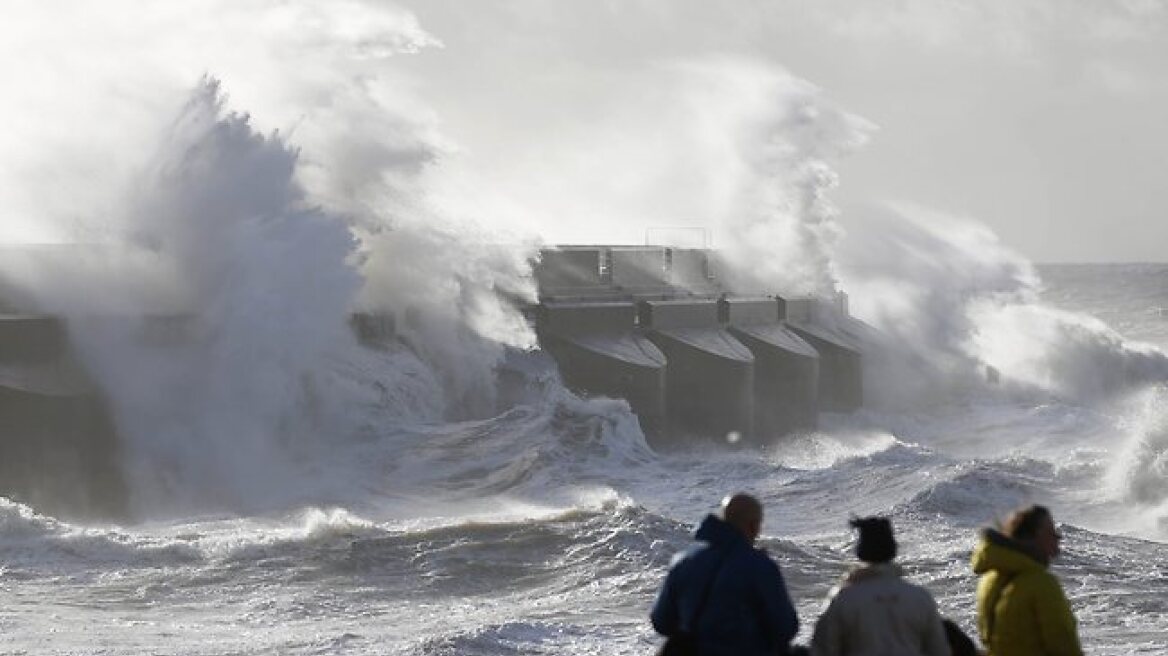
(727, 594)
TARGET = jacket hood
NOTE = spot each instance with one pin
(718, 533)
(1005, 555)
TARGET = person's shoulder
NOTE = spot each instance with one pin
(865, 579)
(1041, 581)
(921, 593)
(687, 555)
(758, 560)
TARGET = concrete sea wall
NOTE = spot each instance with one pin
(58, 448)
(647, 324)
(744, 369)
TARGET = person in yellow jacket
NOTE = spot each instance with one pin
(1021, 608)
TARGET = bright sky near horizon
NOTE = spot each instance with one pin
(1042, 119)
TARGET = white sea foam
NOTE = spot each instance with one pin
(959, 316)
(1064, 353)
(1137, 476)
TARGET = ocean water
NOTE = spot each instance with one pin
(293, 492)
(547, 529)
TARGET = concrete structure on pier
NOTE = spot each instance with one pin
(648, 324)
(58, 449)
(710, 374)
(599, 350)
(758, 367)
(587, 273)
(841, 386)
(786, 378)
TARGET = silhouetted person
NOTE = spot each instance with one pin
(1021, 608)
(727, 594)
(875, 611)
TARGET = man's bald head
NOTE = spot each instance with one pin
(744, 513)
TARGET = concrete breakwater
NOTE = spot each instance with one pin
(653, 326)
(58, 448)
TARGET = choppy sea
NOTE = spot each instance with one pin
(293, 492)
(547, 529)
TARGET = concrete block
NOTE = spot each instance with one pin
(569, 267)
(638, 267)
(841, 379)
(748, 311)
(797, 310)
(709, 385)
(620, 366)
(786, 379)
(586, 318)
(661, 315)
(689, 268)
(31, 338)
(60, 455)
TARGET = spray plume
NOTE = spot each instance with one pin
(950, 300)
(212, 402)
(252, 251)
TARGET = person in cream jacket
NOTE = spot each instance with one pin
(874, 611)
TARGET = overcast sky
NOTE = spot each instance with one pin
(1043, 119)
(595, 119)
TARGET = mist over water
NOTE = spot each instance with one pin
(247, 253)
(220, 360)
(265, 287)
(294, 490)
(951, 302)
(772, 141)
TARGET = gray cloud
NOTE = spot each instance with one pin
(1039, 118)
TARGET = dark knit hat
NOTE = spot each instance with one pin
(876, 543)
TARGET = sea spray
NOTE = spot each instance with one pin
(912, 273)
(209, 287)
(958, 313)
(455, 301)
(1139, 471)
(704, 144)
(1068, 354)
(227, 399)
(774, 140)
(90, 87)
(213, 416)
